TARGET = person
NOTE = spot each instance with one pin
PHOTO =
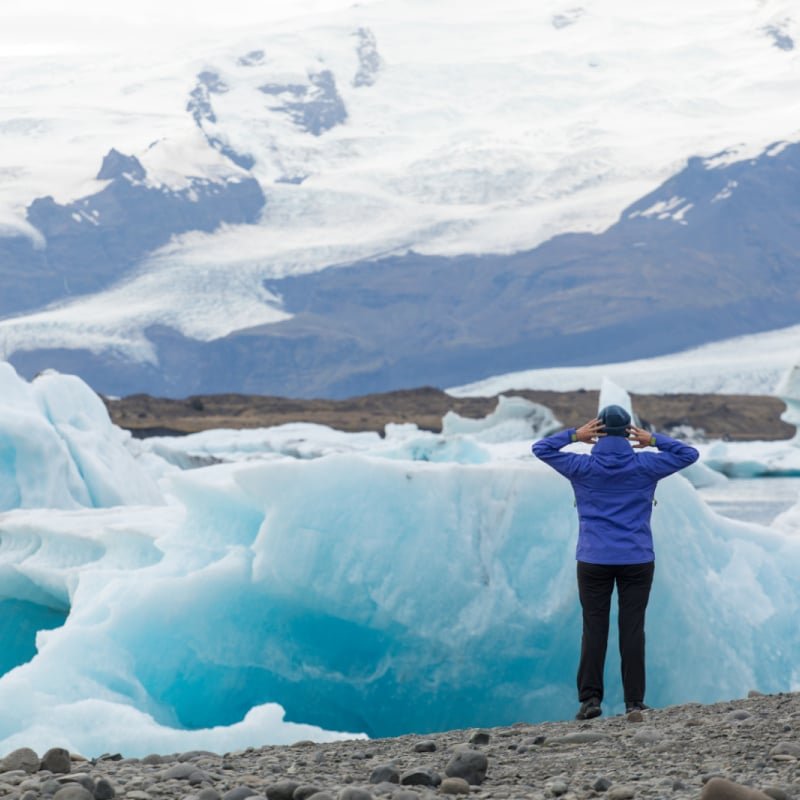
(614, 494)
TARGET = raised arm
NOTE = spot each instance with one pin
(672, 455)
(568, 464)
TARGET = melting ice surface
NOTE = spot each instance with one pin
(307, 583)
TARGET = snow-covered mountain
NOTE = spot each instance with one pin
(512, 187)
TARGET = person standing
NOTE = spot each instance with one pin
(614, 494)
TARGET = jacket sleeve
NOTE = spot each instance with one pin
(549, 451)
(672, 456)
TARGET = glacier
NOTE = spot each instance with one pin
(237, 588)
(438, 153)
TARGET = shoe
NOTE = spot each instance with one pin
(635, 707)
(589, 709)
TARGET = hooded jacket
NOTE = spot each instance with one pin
(614, 489)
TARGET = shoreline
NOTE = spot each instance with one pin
(673, 752)
(725, 417)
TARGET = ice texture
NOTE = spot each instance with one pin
(762, 459)
(354, 583)
(59, 449)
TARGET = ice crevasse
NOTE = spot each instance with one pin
(361, 585)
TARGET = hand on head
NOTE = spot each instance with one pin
(639, 437)
(590, 432)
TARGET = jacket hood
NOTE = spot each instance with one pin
(613, 451)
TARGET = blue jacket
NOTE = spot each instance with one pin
(614, 488)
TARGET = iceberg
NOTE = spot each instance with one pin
(762, 459)
(59, 449)
(348, 586)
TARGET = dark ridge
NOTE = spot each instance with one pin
(731, 417)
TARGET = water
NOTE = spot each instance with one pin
(753, 499)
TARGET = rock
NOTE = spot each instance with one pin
(283, 790)
(471, 765)
(480, 737)
(722, 789)
(601, 784)
(460, 786)
(384, 788)
(738, 716)
(556, 788)
(237, 793)
(76, 792)
(103, 790)
(50, 786)
(137, 794)
(304, 791)
(153, 758)
(646, 736)
(635, 716)
(30, 795)
(385, 772)
(407, 794)
(755, 693)
(56, 760)
(195, 754)
(621, 792)
(420, 776)
(679, 786)
(180, 772)
(321, 796)
(24, 759)
(354, 793)
(208, 794)
(786, 749)
(425, 746)
(582, 737)
(776, 793)
(81, 778)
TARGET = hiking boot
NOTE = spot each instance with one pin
(639, 706)
(589, 709)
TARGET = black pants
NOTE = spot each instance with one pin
(595, 586)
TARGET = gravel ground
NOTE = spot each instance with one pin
(740, 750)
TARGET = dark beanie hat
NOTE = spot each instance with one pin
(616, 420)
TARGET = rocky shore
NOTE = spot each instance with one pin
(730, 417)
(740, 750)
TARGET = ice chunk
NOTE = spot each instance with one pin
(762, 459)
(58, 447)
(515, 418)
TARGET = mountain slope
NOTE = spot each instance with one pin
(394, 194)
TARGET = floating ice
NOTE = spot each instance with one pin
(58, 448)
(762, 459)
(362, 589)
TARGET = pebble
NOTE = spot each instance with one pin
(679, 753)
(283, 790)
(621, 792)
(460, 786)
(420, 776)
(722, 789)
(56, 760)
(74, 792)
(786, 749)
(471, 765)
(556, 788)
(384, 773)
(23, 759)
